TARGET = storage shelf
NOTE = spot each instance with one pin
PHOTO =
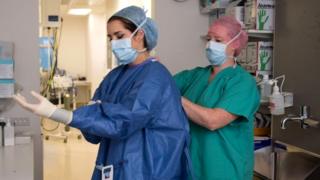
(214, 7)
(265, 34)
(260, 33)
(207, 10)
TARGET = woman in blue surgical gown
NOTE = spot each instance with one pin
(135, 115)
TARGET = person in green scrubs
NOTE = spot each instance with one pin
(220, 101)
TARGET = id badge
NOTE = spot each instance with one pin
(107, 173)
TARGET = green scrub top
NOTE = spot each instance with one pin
(228, 152)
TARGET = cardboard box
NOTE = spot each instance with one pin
(242, 58)
(6, 51)
(6, 60)
(206, 6)
(250, 15)
(252, 56)
(265, 14)
(265, 54)
(259, 14)
(259, 57)
(252, 53)
(6, 88)
(6, 69)
(238, 13)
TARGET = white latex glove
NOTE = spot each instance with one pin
(43, 108)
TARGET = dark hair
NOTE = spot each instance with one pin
(128, 25)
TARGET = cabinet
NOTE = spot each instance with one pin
(16, 162)
(297, 42)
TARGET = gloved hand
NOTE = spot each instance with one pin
(44, 108)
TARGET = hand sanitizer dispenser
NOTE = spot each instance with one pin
(8, 134)
(276, 100)
(265, 88)
(2, 124)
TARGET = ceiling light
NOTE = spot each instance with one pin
(79, 11)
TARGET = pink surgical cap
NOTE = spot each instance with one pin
(233, 27)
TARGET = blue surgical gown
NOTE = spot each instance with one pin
(139, 123)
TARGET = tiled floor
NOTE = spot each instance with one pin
(73, 160)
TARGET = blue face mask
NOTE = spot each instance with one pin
(123, 50)
(216, 52)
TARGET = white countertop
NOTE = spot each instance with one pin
(82, 83)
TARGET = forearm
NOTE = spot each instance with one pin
(196, 113)
(109, 120)
(62, 115)
(211, 119)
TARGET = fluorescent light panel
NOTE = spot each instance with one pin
(79, 11)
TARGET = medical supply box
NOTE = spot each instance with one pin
(6, 60)
(259, 14)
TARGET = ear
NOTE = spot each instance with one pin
(234, 46)
(231, 49)
(139, 35)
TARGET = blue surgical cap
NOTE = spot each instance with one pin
(137, 16)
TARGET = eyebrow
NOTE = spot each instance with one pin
(116, 33)
(215, 37)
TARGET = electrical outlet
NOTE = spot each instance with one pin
(21, 121)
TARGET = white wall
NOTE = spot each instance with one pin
(83, 48)
(97, 49)
(180, 27)
(73, 51)
(19, 24)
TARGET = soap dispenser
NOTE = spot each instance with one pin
(8, 134)
(276, 100)
(265, 88)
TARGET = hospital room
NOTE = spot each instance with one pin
(159, 90)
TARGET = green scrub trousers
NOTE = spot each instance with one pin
(228, 152)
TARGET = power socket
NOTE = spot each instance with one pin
(20, 121)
